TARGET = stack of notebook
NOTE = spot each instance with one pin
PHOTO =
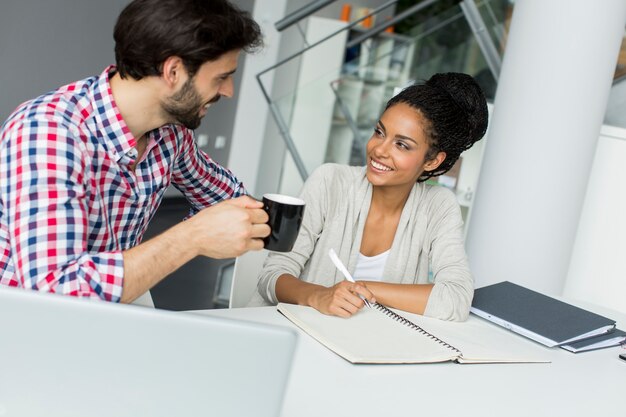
(545, 319)
(614, 338)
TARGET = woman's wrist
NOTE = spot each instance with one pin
(290, 289)
(312, 298)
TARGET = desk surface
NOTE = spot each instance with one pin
(324, 384)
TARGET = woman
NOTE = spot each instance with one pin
(401, 239)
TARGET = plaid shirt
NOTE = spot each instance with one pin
(69, 202)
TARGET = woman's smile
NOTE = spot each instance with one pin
(378, 166)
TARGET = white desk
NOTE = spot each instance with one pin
(323, 384)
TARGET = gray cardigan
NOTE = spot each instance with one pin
(430, 233)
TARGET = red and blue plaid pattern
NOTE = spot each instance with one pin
(69, 202)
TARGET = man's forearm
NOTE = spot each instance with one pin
(148, 263)
(225, 230)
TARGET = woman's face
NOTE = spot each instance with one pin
(397, 150)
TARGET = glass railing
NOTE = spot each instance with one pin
(616, 107)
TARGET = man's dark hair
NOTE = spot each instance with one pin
(147, 32)
(455, 110)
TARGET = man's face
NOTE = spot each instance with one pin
(213, 80)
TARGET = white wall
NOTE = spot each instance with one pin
(252, 111)
(597, 270)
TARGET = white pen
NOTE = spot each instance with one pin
(340, 266)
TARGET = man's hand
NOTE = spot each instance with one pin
(230, 228)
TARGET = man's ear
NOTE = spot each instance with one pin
(173, 73)
(435, 162)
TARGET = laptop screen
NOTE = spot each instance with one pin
(62, 356)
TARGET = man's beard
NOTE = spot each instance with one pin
(185, 105)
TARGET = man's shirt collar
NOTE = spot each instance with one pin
(110, 123)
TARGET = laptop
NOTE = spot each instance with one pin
(63, 356)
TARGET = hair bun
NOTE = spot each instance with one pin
(469, 99)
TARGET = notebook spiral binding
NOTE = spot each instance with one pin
(403, 320)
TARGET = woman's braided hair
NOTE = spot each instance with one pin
(455, 110)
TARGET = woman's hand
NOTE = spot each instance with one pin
(341, 299)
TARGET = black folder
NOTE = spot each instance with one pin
(616, 338)
(537, 316)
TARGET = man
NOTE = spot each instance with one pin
(84, 168)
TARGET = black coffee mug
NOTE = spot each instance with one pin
(285, 217)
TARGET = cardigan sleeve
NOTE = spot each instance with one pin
(453, 290)
(315, 195)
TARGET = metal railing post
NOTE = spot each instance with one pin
(485, 43)
(300, 14)
(284, 131)
(380, 28)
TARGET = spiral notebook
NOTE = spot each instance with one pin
(383, 335)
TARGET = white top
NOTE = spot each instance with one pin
(370, 268)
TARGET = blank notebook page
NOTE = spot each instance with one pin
(483, 342)
(371, 336)
(368, 336)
